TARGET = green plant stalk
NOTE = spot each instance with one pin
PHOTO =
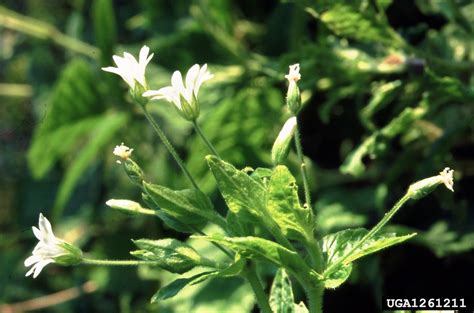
(387, 217)
(260, 295)
(39, 29)
(313, 288)
(169, 146)
(314, 293)
(316, 255)
(116, 262)
(299, 151)
(204, 138)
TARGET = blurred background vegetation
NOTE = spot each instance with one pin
(389, 99)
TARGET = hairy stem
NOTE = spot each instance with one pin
(204, 138)
(314, 293)
(170, 147)
(260, 295)
(116, 262)
(387, 217)
(299, 151)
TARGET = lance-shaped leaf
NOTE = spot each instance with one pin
(188, 206)
(169, 254)
(262, 249)
(185, 225)
(281, 295)
(240, 191)
(339, 247)
(176, 286)
(284, 206)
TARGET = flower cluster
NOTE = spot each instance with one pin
(182, 94)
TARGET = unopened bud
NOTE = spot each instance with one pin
(293, 95)
(282, 144)
(133, 170)
(127, 206)
(425, 186)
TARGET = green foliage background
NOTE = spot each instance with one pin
(388, 99)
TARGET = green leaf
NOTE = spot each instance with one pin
(171, 221)
(338, 245)
(72, 110)
(347, 21)
(189, 206)
(105, 29)
(281, 294)
(176, 286)
(100, 134)
(244, 196)
(232, 270)
(373, 144)
(259, 248)
(382, 95)
(338, 276)
(169, 254)
(284, 206)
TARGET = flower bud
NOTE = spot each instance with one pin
(293, 95)
(281, 147)
(425, 186)
(127, 206)
(134, 172)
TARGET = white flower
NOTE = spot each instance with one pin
(122, 152)
(47, 250)
(294, 73)
(130, 69)
(447, 178)
(425, 186)
(183, 95)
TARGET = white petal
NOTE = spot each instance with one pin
(31, 259)
(204, 75)
(143, 54)
(37, 233)
(191, 77)
(177, 82)
(39, 267)
(30, 272)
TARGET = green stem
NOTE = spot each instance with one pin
(299, 151)
(260, 295)
(204, 138)
(116, 262)
(315, 254)
(314, 293)
(169, 146)
(371, 233)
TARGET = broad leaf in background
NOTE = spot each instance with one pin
(169, 254)
(76, 125)
(105, 28)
